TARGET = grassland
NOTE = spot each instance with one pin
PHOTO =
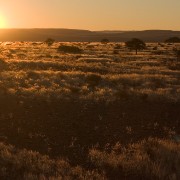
(105, 113)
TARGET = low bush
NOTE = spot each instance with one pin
(105, 41)
(49, 41)
(3, 64)
(69, 49)
(93, 80)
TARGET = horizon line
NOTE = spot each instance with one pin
(87, 29)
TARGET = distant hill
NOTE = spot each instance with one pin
(73, 35)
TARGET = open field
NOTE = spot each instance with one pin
(80, 107)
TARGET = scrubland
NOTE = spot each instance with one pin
(105, 113)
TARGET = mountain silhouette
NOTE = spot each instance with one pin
(75, 35)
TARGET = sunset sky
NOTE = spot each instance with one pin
(91, 14)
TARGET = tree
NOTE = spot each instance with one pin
(49, 41)
(135, 44)
(173, 40)
(105, 41)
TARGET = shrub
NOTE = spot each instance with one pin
(74, 90)
(158, 52)
(93, 79)
(69, 49)
(105, 41)
(155, 48)
(3, 64)
(50, 41)
(115, 51)
(33, 75)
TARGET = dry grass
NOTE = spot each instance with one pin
(61, 104)
(138, 73)
(149, 159)
(28, 165)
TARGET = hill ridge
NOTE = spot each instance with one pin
(80, 35)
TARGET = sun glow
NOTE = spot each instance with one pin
(2, 22)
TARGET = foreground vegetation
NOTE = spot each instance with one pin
(151, 159)
(23, 164)
(92, 109)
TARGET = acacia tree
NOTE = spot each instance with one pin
(135, 44)
(49, 41)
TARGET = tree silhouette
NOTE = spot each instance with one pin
(49, 41)
(135, 44)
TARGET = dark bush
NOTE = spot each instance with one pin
(69, 49)
(3, 64)
(105, 41)
(155, 48)
(50, 41)
(158, 52)
(115, 52)
(93, 79)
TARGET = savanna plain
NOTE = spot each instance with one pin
(100, 113)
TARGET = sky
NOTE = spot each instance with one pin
(91, 14)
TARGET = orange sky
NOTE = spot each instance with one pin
(91, 14)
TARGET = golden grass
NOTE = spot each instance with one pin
(148, 159)
(95, 97)
(24, 164)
